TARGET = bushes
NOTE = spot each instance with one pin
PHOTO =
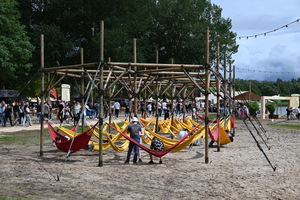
(271, 108)
(253, 107)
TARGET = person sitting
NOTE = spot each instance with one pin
(156, 145)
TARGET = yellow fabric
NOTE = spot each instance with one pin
(170, 142)
(175, 125)
(224, 139)
(187, 120)
(111, 141)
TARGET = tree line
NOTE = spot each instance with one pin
(269, 88)
(175, 29)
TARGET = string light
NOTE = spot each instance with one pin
(260, 71)
(268, 32)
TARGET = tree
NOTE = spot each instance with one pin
(15, 47)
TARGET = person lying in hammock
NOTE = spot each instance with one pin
(156, 145)
(58, 138)
(89, 146)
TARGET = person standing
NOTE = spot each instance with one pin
(288, 113)
(77, 112)
(38, 113)
(1, 113)
(27, 117)
(60, 114)
(117, 107)
(46, 110)
(157, 145)
(3, 118)
(8, 114)
(135, 130)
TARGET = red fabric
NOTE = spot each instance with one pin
(214, 135)
(151, 151)
(79, 142)
(53, 93)
(232, 121)
(212, 121)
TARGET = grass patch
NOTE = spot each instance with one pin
(285, 126)
(24, 137)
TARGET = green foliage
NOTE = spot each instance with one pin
(15, 47)
(285, 126)
(270, 88)
(175, 28)
(253, 107)
(23, 137)
(271, 108)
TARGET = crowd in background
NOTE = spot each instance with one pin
(25, 114)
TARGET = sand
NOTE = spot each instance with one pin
(238, 171)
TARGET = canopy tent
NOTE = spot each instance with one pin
(248, 96)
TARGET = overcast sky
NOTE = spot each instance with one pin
(276, 55)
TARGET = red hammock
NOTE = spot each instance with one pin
(214, 135)
(151, 151)
(79, 142)
(212, 121)
(233, 121)
(224, 138)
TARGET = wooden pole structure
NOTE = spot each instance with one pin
(82, 92)
(109, 105)
(156, 98)
(156, 102)
(224, 86)
(233, 97)
(218, 95)
(135, 78)
(207, 81)
(43, 95)
(230, 90)
(101, 95)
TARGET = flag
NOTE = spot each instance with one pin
(53, 93)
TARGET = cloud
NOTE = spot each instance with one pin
(268, 57)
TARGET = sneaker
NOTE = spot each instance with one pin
(150, 162)
(135, 163)
(126, 162)
(160, 162)
(140, 160)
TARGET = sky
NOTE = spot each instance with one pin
(265, 58)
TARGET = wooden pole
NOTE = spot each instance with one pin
(43, 95)
(135, 78)
(82, 92)
(101, 95)
(206, 95)
(218, 95)
(109, 104)
(233, 97)
(225, 86)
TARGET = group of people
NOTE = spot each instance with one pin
(15, 113)
(136, 130)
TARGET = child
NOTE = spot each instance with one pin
(156, 145)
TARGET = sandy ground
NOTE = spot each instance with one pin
(238, 171)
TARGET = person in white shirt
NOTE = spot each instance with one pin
(117, 107)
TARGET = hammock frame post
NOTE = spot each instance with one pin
(101, 95)
(207, 81)
(42, 95)
(218, 96)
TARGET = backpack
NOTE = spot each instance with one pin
(157, 144)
